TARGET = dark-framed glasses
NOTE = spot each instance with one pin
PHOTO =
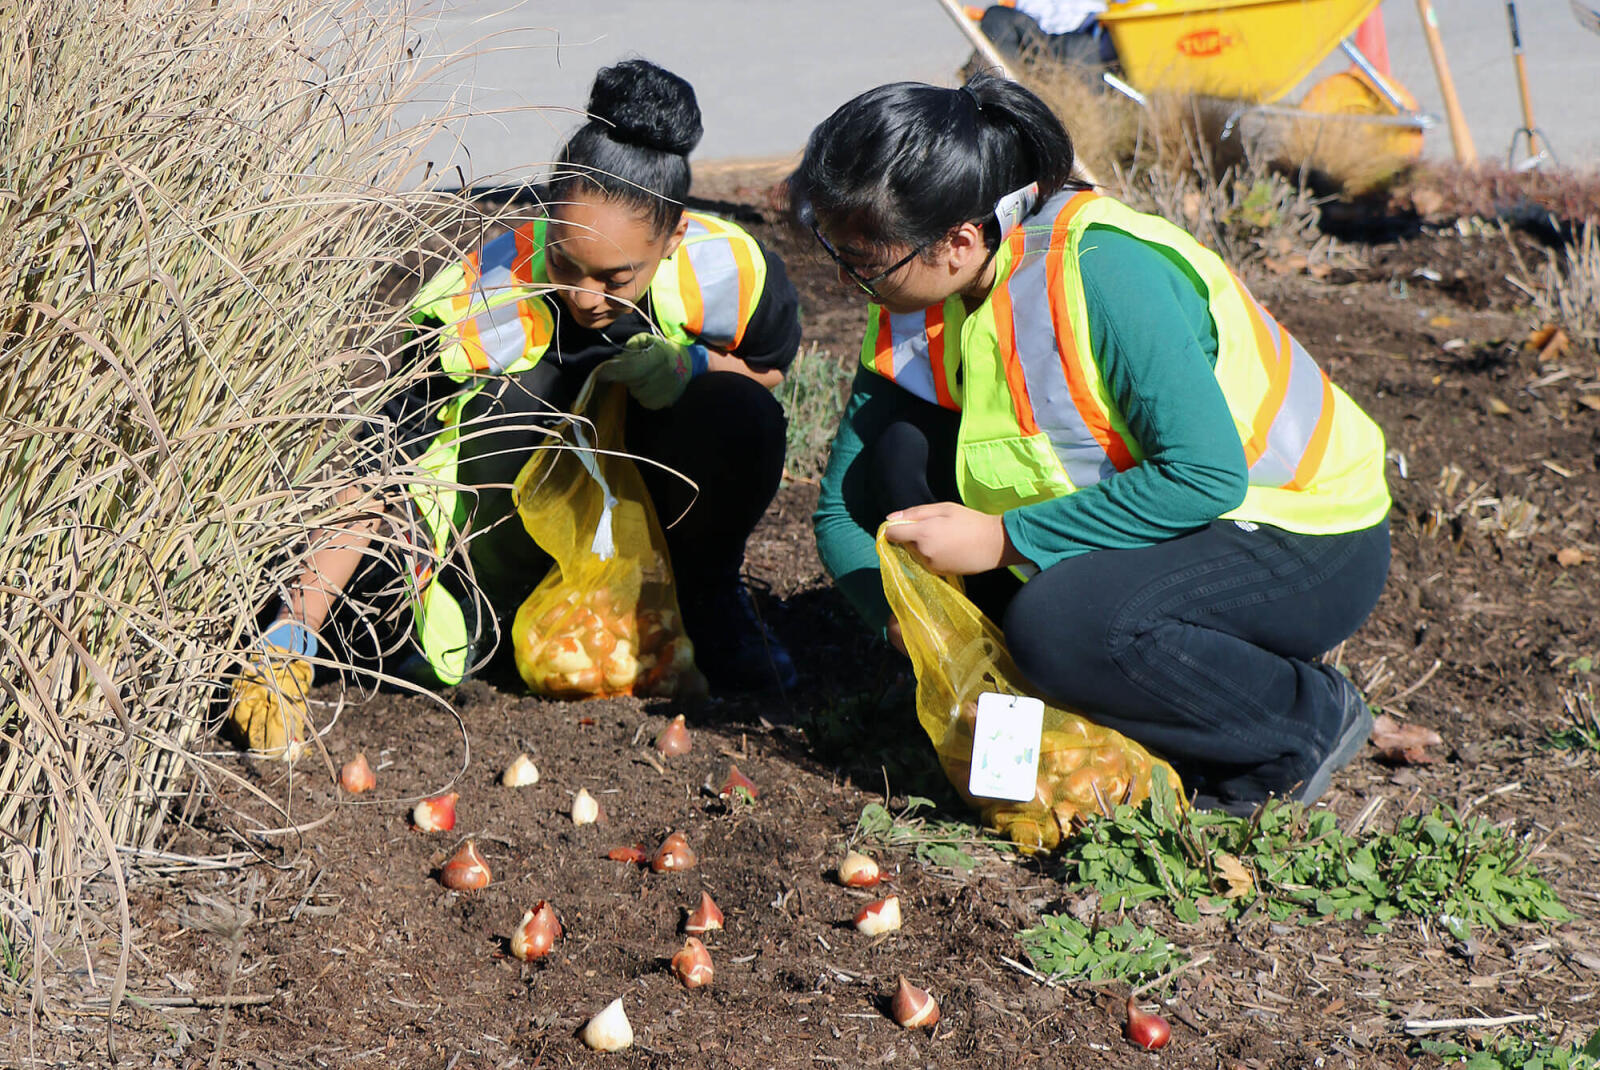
(868, 283)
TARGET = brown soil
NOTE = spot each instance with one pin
(350, 953)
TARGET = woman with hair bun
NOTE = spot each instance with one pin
(1146, 481)
(687, 310)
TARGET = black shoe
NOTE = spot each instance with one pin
(733, 646)
(1354, 728)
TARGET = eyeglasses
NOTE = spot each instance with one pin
(868, 283)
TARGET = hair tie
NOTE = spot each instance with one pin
(977, 101)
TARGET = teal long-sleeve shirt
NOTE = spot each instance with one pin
(1156, 346)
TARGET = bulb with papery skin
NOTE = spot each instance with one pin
(879, 916)
(913, 1007)
(737, 781)
(437, 814)
(520, 773)
(859, 871)
(466, 871)
(635, 854)
(585, 811)
(1150, 1031)
(609, 1030)
(357, 776)
(674, 853)
(673, 740)
(705, 917)
(536, 933)
(692, 965)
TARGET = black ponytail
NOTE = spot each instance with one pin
(903, 164)
(644, 122)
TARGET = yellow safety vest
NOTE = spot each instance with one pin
(1038, 421)
(490, 315)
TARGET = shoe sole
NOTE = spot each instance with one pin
(1351, 740)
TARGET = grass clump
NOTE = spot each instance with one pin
(198, 202)
(814, 393)
(1462, 873)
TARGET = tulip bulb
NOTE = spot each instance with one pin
(635, 854)
(692, 965)
(357, 776)
(858, 871)
(879, 916)
(466, 870)
(674, 739)
(705, 917)
(437, 814)
(520, 773)
(1150, 1031)
(674, 853)
(585, 811)
(536, 933)
(914, 1007)
(609, 1030)
(737, 781)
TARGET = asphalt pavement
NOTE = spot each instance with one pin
(515, 76)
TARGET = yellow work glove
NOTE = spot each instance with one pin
(655, 370)
(268, 708)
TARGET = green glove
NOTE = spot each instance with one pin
(655, 370)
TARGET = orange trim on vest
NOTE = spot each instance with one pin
(1094, 417)
(467, 329)
(1277, 375)
(1317, 448)
(747, 285)
(694, 309)
(1006, 336)
(883, 345)
(933, 319)
(522, 275)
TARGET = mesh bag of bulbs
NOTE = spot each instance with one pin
(959, 654)
(605, 620)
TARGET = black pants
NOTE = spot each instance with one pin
(1203, 648)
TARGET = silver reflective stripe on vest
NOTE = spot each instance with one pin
(1080, 453)
(908, 341)
(717, 272)
(500, 328)
(1297, 418)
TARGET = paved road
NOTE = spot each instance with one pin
(766, 70)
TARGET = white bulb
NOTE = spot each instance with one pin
(609, 1030)
(585, 811)
(520, 773)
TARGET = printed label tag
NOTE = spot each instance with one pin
(1014, 207)
(1005, 747)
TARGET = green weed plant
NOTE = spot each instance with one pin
(1066, 949)
(1464, 872)
(932, 841)
(1512, 1052)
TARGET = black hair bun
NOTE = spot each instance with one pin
(641, 104)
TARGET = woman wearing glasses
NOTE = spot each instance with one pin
(1057, 388)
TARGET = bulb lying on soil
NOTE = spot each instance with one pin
(914, 1007)
(520, 773)
(357, 776)
(879, 916)
(692, 965)
(858, 871)
(673, 740)
(1149, 1031)
(705, 917)
(466, 870)
(674, 853)
(585, 811)
(437, 814)
(609, 1030)
(536, 933)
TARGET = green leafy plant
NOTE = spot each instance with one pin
(1512, 1052)
(1067, 949)
(940, 842)
(1464, 872)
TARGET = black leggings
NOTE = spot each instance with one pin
(1203, 647)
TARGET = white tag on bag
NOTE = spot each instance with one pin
(1005, 747)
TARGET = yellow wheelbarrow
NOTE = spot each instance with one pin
(1256, 52)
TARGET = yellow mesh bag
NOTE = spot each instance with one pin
(605, 621)
(958, 654)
